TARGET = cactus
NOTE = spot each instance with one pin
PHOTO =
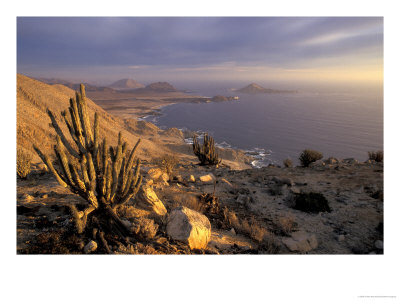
(104, 177)
(207, 153)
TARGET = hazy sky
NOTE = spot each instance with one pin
(208, 48)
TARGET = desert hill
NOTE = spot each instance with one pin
(126, 84)
(75, 86)
(254, 88)
(33, 123)
(158, 87)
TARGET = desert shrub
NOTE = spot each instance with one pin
(206, 153)
(309, 156)
(311, 202)
(288, 163)
(23, 164)
(145, 228)
(168, 163)
(286, 224)
(250, 228)
(376, 156)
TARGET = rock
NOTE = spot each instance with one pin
(241, 199)
(45, 196)
(331, 161)
(233, 231)
(207, 179)
(189, 226)
(165, 177)
(379, 244)
(192, 179)
(341, 238)
(350, 160)
(90, 247)
(154, 173)
(301, 241)
(27, 197)
(149, 182)
(318, 163)
(148, 200)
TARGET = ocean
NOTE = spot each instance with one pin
(273, 127)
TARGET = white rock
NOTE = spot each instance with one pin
(165, 177)
(301, 241)
(90, 247)
(233, 231)
(147, 199)
(154, 173)
(207, 179)
(379, 244)
(189, 226)
(192, 179)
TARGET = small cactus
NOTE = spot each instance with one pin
(206, 153)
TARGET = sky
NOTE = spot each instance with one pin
(148, 49)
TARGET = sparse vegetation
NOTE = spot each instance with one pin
(206, 153)
(376, 156)
(288, 163)
(309, 156)
(311, 202)
(250, 228)
(23, 164)
(168, 164)
(287, 224)
(103, 176)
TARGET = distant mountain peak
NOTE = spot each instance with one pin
(126, 83)
(254, 88)
(161, 87)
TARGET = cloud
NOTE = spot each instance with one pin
(185, 44)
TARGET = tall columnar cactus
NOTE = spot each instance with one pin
(206, 153)
(105, 177)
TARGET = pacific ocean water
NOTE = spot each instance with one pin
(273, 127)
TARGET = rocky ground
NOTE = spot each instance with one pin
(249, 211)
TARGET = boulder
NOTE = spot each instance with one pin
(154, 173)
(301, 241)
(283, 180)
(90, 247)
(207, 179)
(331, 160)
(147, 199)
(189, 226)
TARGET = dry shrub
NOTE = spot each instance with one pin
(286, 224)
(189, 201)
(309, 156)
(250, 228)
(167, 163)
(23, 164)
(145, 228)
(288, 163)
(376, 156)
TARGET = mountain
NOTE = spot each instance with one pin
(160, 87)
(254, 88)
(126, 84)
(74, 86)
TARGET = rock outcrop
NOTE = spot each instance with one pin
(189, 226)
(148, 200)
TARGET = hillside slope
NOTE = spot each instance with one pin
(33, 123)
